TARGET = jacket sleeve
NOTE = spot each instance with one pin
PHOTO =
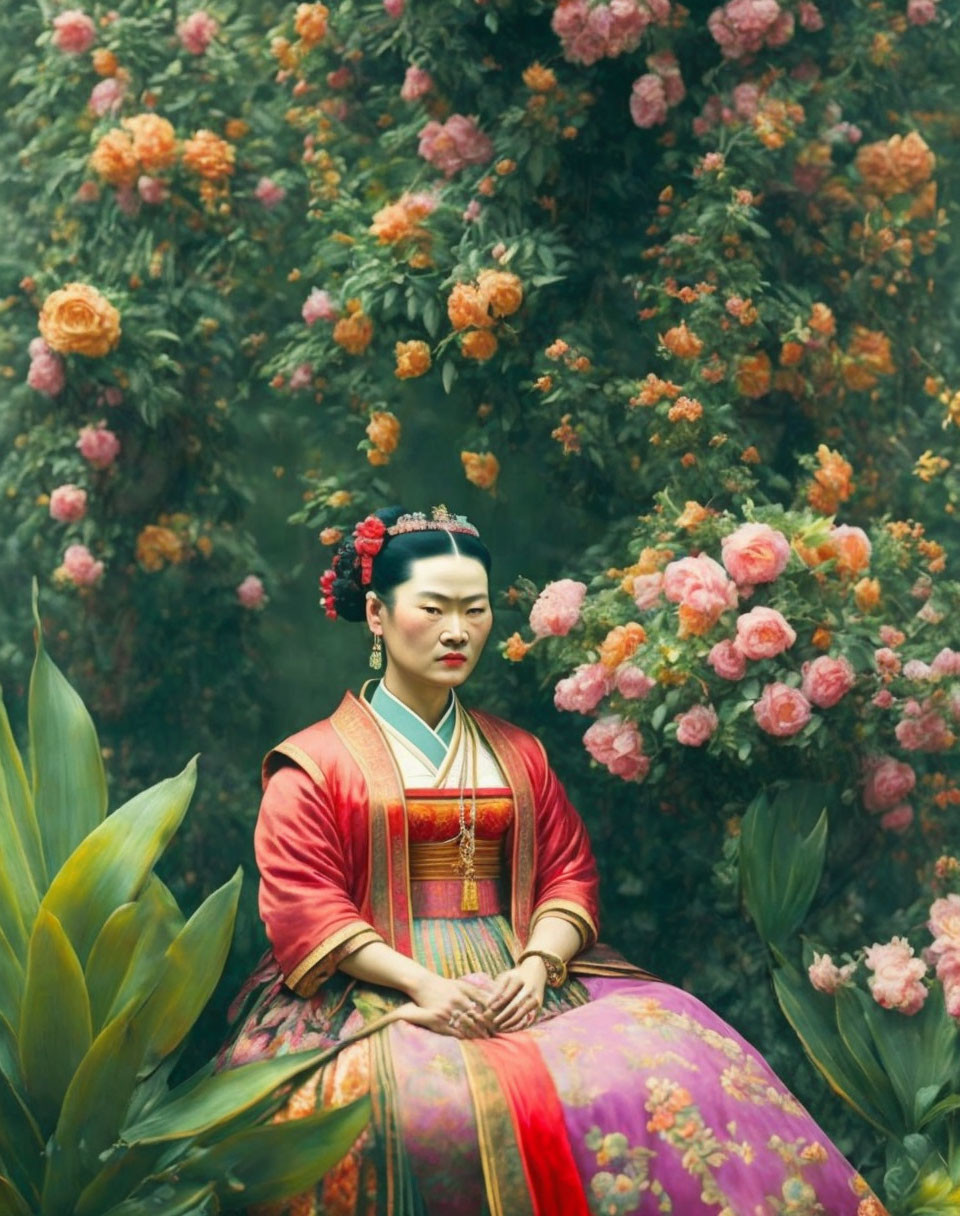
(566, 882)
(306, 903)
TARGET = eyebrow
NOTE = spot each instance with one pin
(448, 599)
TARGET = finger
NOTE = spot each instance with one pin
(473, 993)
(477, 1023)
(522, 1021)
(509, 991)
(521, 1003)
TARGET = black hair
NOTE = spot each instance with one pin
(392, 565)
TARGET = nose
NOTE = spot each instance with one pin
(455, 631)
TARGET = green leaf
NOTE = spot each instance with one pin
(189, 971)
(9, 1054)
(782, 847)
(111, 955)
(69, 785)
(11, 982)
(12, 1203)
(21, 853)
(265, 1164)
(187, 1199)
(110, 866)
(812, 1017)
(55, 1029)
(431, 316)
(164, 921)
(21, 1144)
(857, 1039)
(448, 375)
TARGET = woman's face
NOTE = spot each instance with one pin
(443, 609)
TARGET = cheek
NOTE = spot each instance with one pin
(414, 627)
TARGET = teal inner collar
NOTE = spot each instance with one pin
(434, 743)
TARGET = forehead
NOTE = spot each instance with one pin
(449, 574)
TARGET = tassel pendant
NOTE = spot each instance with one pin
(469, 901)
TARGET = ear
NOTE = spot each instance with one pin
(374, 607)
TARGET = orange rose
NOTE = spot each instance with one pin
(467, 307)
(867, 594)
(310, 23)
(539, 79)
(851, 548)
(822, 320)
(236, 128)
(503, 291)
(822, 638)
(339, 498)
(154, 141)
(515, 648)
(481, 468)
(208, 155)
(331, 536)
(868, 356)
(478, 344)
(115, 160)
(353, 332)
(413, 359)
(77, 319)
(395, 223)
(157, 545)
(753, 375)
(685, 409)
(791, 353)
(898, 166)
(621, 642)
(383, 431)
(104, 62)
(692, 514)
(682, 342)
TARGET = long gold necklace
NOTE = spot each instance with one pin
(469, 900)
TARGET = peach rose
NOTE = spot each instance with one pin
(79, 567)
(98, 445)
(583, 691)
(73, 32)
(383, 431)
(755, 553)
(826, 976)
(781, 710)
(250, 592)
(154, 141)
(851, 548)
(413, 359)
(209, 156)
(503, 290)
(478, 344)
(616, 743)
(620, 643)
(696, 726)
(753, 375)
(77, 319)
(114, 158)
(682, 342)
(158, 545)
(354, 332)
(467, 307)
(897, 977)
(763, 633)
(310, 23)
(647, 589)
(728, 660)
(481, 468)
(557, 608)
(827, 680)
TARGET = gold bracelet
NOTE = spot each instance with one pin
(555, 965)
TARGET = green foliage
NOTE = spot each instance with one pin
(102, 983)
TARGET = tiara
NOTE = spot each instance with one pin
(369, 536)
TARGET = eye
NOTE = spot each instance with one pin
(480, 610)
(430, 608)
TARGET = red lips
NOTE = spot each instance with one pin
(454, 660)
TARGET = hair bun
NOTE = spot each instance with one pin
(349, 595)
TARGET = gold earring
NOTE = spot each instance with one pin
(376, 654)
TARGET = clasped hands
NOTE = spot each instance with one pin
(468, 1010)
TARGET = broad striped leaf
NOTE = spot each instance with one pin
(12, 1202)
(164, 921)
(22, 813)
(21, 1144)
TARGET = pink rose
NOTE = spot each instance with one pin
(665, 64)
(152, 190)
(898, 819)
(394, 8)
(727, 660)
(471, 211)
(746, 100)
(46, 373)
(927, 732)
(454, 144)
(79, 566)
(197, 31)
(916, 669)
(696, 726)
(946, 663)
(826, 976)
(73, 32)
(647, 589)
(557, 608)
(896, 982)
(301, 377)
(693, 579)
(319, 306)
(87, 192)
(887, 781)
(269, 193)
(616, 743)
(98, 445)
(648, 101)
(584, 690)
(68, 503)
(250, 592)
(810, 16)
(944, 925)
(106, 97)
(632, 682)
(827, 680)
(781, 710)
(891, 637)
(416, 83)
(921, 12)
(755, 553)
(763, 633)
(882, 699)
(887, 661)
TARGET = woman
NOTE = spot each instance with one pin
(431, 901)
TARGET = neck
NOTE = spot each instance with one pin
(425, 699)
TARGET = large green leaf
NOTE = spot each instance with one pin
(195, 1110)
(186, 1199)
(110, 866)
(811, 1014)
(55, 1030)
(110, 957)
(69, 785)
(12, 1202)
(917, 1051)
(863, 1060)
(163, 921)
(264, 1164)
(189, 971)
(10, 1054)
(21, 1144)
(121, 1175)
(19, 897)
(20, 832)
(782, 845)
(11, 982)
